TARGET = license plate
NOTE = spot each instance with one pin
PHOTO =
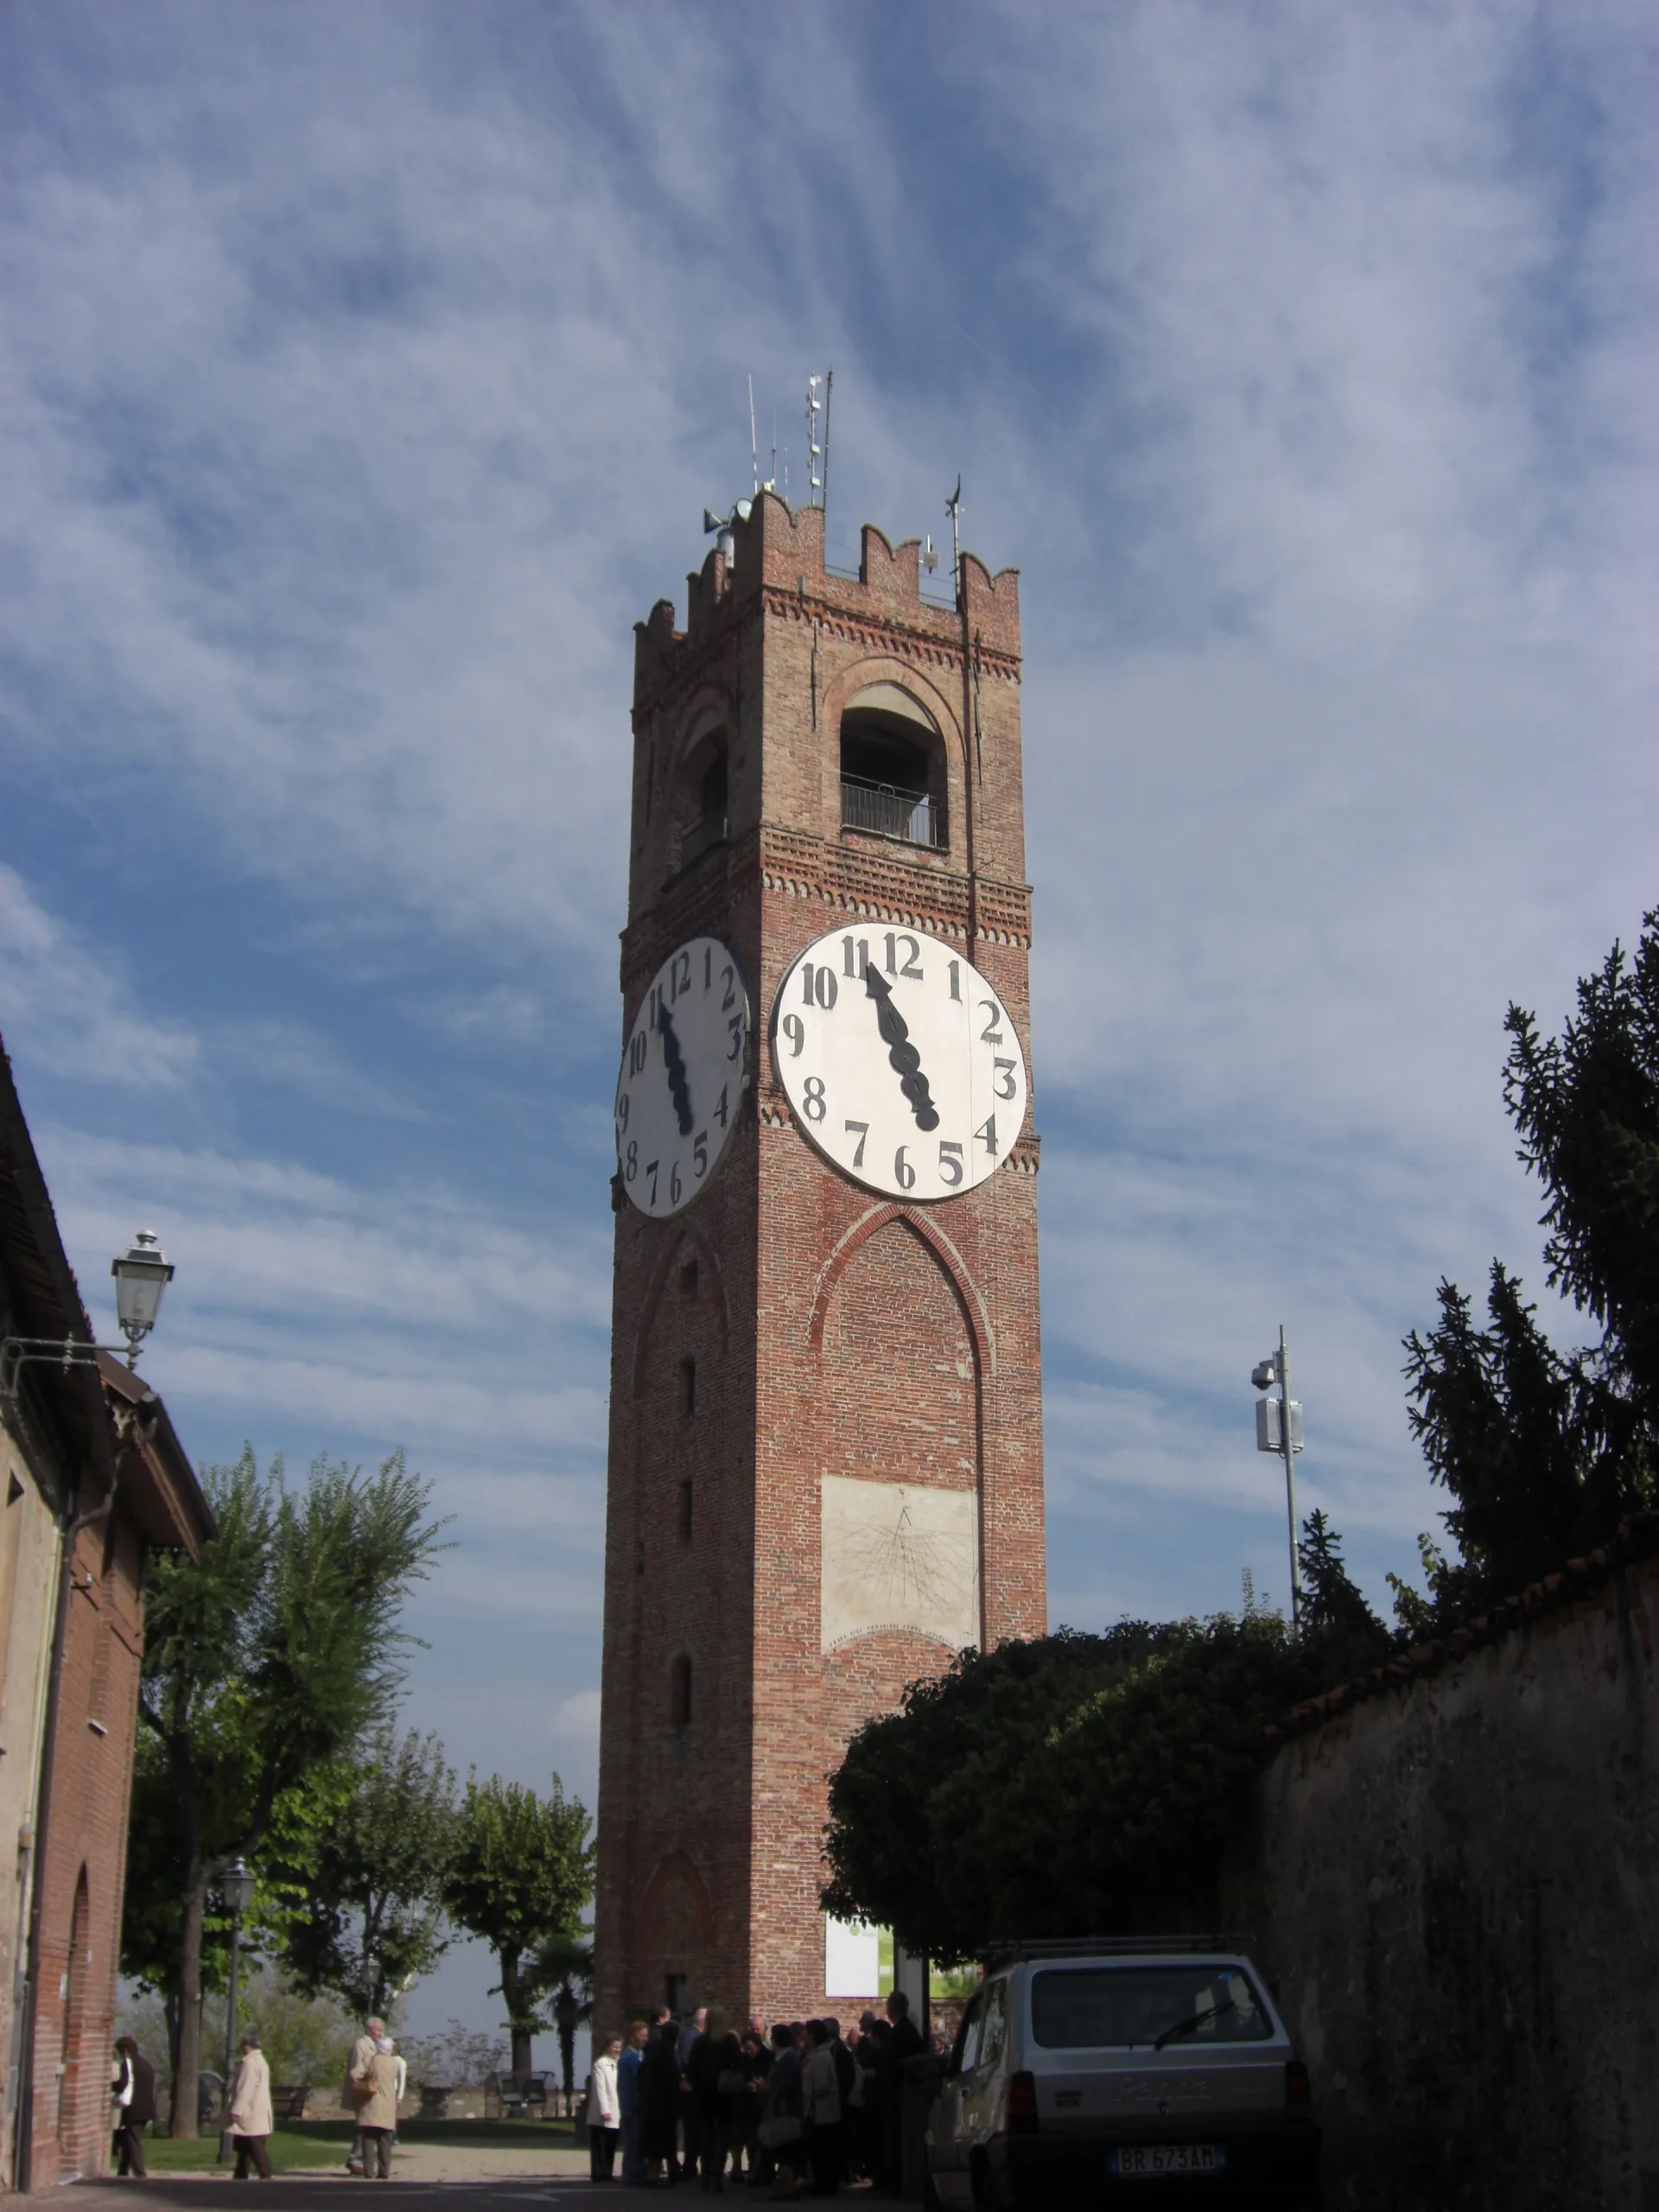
(1170, 2158)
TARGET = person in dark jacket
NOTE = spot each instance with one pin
(718, 2083)
(134, 2093)
(747, 2148)
(659, 2101)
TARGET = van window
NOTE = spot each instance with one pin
(1127, 2008)
(973, 2019)
(996, 2033)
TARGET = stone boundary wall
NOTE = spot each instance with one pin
(1452, 1888)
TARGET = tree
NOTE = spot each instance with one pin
(521, 1875)
(1546, 1451)
(1076, 1781)
(370, 1917)
(262, 1662)
(563, 1976)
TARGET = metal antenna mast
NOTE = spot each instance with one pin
(953, 508)
(814, 450)
(1278, 1429)
(754, 449)
(823, 496)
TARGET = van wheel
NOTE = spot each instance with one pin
(982, 2188)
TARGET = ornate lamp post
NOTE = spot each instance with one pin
(236, 1884)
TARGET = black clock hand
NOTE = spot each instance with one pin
(901, 1052)
(678, 1089)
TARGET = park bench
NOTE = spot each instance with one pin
(287, 2100)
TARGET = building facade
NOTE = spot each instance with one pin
(825, 1460)
(94, 1476)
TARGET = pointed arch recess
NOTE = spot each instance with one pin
(675, 1870)
(943, 1250)
(691, 1237)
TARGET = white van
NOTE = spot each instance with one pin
(1099, 2073)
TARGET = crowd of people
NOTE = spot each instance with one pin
(801, 2109)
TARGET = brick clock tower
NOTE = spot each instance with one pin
(825, 1473)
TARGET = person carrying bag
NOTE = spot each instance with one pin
(783, 2125)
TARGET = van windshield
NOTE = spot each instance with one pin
(1124, 2008)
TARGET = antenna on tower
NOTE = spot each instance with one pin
(814, 450)
(953, 508)
(823, 496)
(754, 450)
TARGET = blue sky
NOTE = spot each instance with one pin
(367, 368)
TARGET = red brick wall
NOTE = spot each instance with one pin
(833, 1331)
(85, 1856)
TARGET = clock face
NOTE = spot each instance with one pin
(900, 1060)
(683, 1070)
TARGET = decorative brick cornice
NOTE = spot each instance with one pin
(937, 649)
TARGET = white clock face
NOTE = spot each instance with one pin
(684, 1070)
(900, 1061)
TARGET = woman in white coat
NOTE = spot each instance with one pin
(604, 2113)
(250, 2118)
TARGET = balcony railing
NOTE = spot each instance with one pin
(708, 830)
(888, 810)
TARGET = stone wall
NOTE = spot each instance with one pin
(1452, 1890)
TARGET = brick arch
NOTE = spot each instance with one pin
(668, 1263)
(710, 703)
(884, 667)
(942, 1249)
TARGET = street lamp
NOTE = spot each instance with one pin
(141, 1274)
(1279, 1428)
(236, 1884)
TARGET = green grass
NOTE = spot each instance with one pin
(291, 2150)
(306, 2145)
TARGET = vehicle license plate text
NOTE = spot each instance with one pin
(1170, 2159)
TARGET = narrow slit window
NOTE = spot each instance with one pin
(680, 1692)
(685, 1513)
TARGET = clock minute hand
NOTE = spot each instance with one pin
(901, 1053)
(678, 1089)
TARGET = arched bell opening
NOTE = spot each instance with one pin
(892, 769)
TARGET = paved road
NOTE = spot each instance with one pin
(339, 2193)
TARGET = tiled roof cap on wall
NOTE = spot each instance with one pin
(1637, 1538)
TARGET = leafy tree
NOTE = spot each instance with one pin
(1076, 1781)
(521, 1875)
(1546, 1451)
(263, 1662)
(563, 1976)
(371, 1919)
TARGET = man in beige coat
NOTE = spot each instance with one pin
(362, 2051)
(376, 2113)
(250, 2117)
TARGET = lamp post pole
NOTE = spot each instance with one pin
(238, 1883)
(1286, 1417)
(1288, 1443)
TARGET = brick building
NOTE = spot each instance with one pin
(825, 1464)
(93, 1477)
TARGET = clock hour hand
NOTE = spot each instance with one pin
(678, 1089)
(901, 1053)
